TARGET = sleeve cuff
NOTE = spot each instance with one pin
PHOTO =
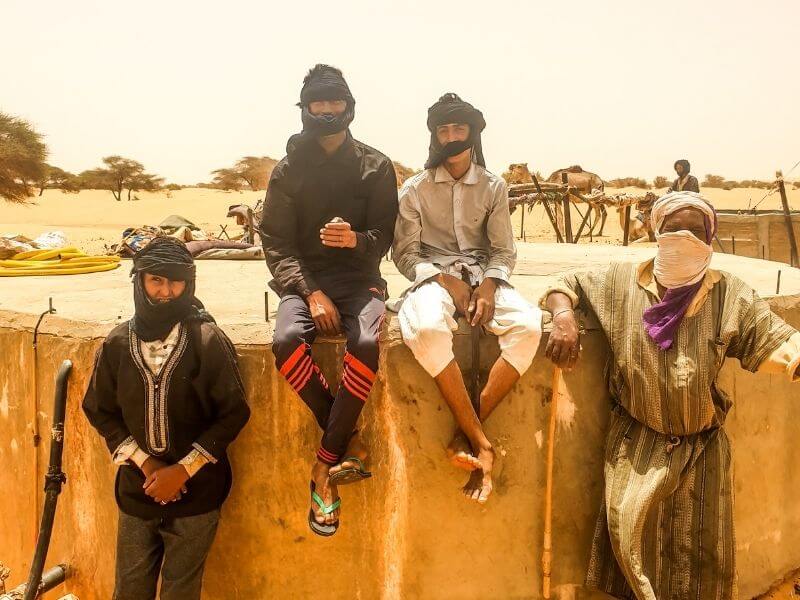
(424, 271)
(361, 243)
(203, 452)
(124, 451)
(501, 273)
(193, 462)
(561, 289)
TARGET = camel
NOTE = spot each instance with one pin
(586, 183)
(640, 225)
(518, 173)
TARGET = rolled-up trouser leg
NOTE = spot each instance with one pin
(518, 327)
(427, 323)
(362, 316)
(294, 333)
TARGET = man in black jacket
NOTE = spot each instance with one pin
(167, 397)
(328, 220)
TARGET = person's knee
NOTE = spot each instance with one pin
(364, 347)
(286, 340)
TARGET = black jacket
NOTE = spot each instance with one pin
(197, 401)
(308, 189)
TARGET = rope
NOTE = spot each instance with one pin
(57, 261)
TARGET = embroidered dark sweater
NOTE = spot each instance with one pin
(197, 401)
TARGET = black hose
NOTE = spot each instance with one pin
(54, 479)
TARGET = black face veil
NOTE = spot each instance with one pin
(322, 84)
(166, 257)
(452, 109)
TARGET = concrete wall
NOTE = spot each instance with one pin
(406, 533)
(762, 235)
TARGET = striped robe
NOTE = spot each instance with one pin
(666, 525)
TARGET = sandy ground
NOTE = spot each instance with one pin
(92, 219)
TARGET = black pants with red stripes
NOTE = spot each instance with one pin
(361, 307)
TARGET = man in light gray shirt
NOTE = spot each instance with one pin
(454, 225)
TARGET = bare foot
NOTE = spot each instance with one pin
(328, 493)
(460, 453)
(355, 448)
(479, 486)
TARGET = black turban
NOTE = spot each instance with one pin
(685, 164)
(168, 258)
(322, 83)
(452, 109)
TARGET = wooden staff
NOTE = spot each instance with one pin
(548, 498)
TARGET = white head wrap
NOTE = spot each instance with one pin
(682, 259)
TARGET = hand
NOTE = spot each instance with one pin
(338, 234)
(151, 465)
(481, 304)
(563, 347)
(167, 484)
(324, 312)
(459, 291)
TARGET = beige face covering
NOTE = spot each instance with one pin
(682, 259)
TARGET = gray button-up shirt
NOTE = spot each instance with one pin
(444, 225)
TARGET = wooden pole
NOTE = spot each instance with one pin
(778, 284)
(733, 244)
(547, 210)
(547, 561)
(522, 223)
(787, 217)
(567, 212)
(627, 230)
(583, 224)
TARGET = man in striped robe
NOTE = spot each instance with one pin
(666, 526)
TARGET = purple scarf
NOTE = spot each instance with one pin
(661, 321)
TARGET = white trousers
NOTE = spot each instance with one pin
(427, 323)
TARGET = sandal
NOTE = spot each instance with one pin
(350, 474)
(323, 529)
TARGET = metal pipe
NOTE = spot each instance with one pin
(54, 479)
(54, 577)
(35, 435)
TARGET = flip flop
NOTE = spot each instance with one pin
(323, 529)
(350, 474)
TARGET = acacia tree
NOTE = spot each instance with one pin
(143, 181)
(59, 179)
(22, 156)
(250, 171)
(118, 174)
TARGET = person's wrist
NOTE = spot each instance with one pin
(563, 313)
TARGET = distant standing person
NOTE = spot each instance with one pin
(685, 182)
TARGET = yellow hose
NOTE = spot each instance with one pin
(56, 261)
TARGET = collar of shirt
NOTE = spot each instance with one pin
(344, 153)
(647, 282)
(156, 352)
(471, 177)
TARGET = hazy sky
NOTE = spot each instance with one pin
(621, 88)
